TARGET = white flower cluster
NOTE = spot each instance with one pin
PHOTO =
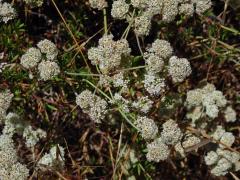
(10, 168)
(156, 54)
(161, 48)
(205, 101)
(98, 4)
(159, 148)
(117, 80)
(200, 5)
(34, 3)
(121, 102)
(171, 133)
(143, 104)
(2, 66)
(142, 24)
(54, 159)
(32, 136)
(92, 105)
(48, 70)
(44, 57)
(119, 9)
(5, 101)
(14, 124)
(147, 127)
(157, 151)
(7, 12)
(154, 85)
(155, 57)
(224, 137)
(222, 161)
(168, 9)
(48, 48)
(179, 69)
(109, 53)
(31, 58)
(189, 141)
(230, 114)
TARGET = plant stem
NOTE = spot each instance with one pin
(105, 20)
(104, 94)
(82, 74)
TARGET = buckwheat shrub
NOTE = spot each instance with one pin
(10, 168)
(157, 151)
(5, 101)
(143, 104)
(230, 114)
(31, 58)
(179, 69)
(147, 127)
(171, 133)
(48, 70)
(7, 12)
(154, 85)
(119, 9)
(98, 4)
(54, 159)
(109, 53)
(48, 48)
(92, 105)
(34, 3)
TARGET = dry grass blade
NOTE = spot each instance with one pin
(234, 176)
(199, 132)
(201, 144)
(71, 33)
